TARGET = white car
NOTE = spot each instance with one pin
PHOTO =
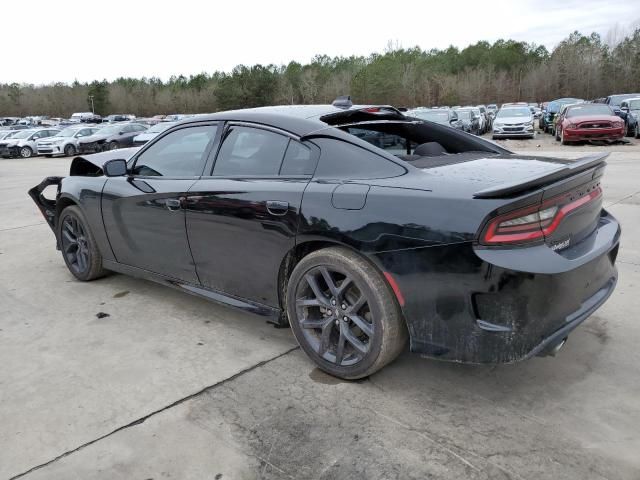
(64, 143)
(513, 121)
(23, 143)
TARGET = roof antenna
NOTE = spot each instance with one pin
(343, 101)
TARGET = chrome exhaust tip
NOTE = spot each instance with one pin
(557, 348)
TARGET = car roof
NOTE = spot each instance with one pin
(297, 119)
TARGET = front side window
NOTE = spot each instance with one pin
(178, 154)
(250, 151)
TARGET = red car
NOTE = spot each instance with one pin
(589, 121)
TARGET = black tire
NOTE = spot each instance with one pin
(637, 133)
(79, 249)
(25, 152)
(628, 131)
(557, 136)
(113, 145)
(363, 315)
(69, 150)
(562, 140)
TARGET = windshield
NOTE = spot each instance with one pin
(23, 134)
(634, 104)
(67, 132)
(616, 100)
(160, 127)
(109, 130)
(514, 112)
(586, 109)
(433, 116)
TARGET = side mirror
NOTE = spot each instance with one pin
(115, 168)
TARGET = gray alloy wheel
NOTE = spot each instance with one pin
(78, 246)
(113, 145)
(343, 313)
(69, 150)
(26, 152)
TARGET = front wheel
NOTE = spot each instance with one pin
(26, 152)
(79, 250)
(113, 145)
(562, 140)
(343, 313)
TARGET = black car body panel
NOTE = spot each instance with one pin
(420, 219)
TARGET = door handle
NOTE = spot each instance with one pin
(275, 207)
(173, 203)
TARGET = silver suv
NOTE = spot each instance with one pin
(64, 143)
(23, 143)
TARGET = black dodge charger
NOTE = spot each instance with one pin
(474, 253)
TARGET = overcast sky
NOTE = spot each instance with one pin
(62, 40)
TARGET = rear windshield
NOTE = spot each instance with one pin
(588, 109)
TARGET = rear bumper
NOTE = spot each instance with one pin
(464, 305)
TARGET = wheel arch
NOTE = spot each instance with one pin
(301, 250)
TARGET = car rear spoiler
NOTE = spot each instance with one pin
(580, 165)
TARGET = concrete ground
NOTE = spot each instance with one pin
(171, 386)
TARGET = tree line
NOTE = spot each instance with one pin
(583, 66)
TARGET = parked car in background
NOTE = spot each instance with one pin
(492, 109)
(115, 118)
(589, 121)
(614, 101)
(488, 119)
(111, 137)
(79, 116)
(23, 143)
(558, 118)
(443, 116)
(513, 121)
(152, 132)
(630, 113)
(65, 142)
(470, 121)
(548, 117)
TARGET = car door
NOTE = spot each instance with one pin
(242, 219)
(143, 212)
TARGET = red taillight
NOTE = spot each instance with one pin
(534, 223)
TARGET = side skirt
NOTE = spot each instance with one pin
(274, 315)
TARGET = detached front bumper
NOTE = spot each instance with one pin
(92, 147)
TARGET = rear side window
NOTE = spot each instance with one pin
(298, 160)
(347, 161)
(250, 151)
(177, 154)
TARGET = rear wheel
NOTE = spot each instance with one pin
(26, 152)
(79, 250)
(70, 150)
(343, 313)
